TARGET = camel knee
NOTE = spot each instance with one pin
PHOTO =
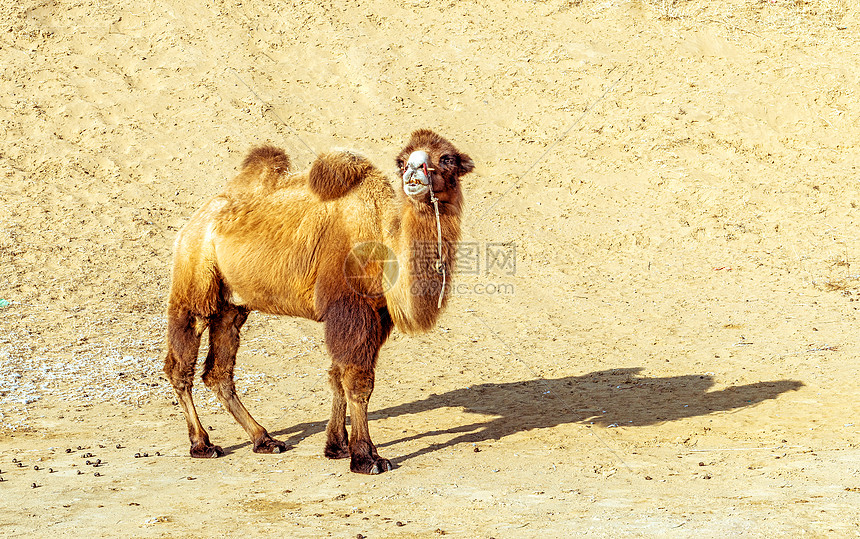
(217, 374)
(180, 376)
(224, 389)
(335, 379)
(358, 384)
(181, 359)
(219, 380)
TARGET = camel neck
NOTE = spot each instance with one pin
(414, 300)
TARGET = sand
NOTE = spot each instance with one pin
(654, 325)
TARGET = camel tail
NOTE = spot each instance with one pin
(264, 167)
(335, 174)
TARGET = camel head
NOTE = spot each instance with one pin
(429, 160)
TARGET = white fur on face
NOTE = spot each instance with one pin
(416, 181)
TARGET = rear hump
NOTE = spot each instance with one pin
(264, 168)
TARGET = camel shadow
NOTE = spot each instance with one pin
(617, 397)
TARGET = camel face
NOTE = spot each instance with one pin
(416, 175)
(430, 161)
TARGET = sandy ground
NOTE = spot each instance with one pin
(654, 331)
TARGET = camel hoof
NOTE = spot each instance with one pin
(206, 451)
(336, 452)
(371, 467)
(269, 445)
(380, 466)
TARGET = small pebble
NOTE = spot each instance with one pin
(68, 450)
(34, 485)
(97, 474)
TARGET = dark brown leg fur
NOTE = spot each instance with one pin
(337, 440)
(183, 341)
(354, 333)
(218, 375)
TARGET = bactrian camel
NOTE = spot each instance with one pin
(338, 245)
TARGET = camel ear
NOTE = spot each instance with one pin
(466, 164)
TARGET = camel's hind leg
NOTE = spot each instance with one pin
(218, 375)
(183, 341)
(354, 333)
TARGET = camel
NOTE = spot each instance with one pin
(338, 245)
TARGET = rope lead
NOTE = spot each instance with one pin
(440, 266)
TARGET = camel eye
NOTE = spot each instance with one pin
(448, 160)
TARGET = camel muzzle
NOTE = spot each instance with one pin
(416, 174)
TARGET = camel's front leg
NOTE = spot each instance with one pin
(354, 333)
(358, 386)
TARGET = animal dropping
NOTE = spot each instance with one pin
(338, 245)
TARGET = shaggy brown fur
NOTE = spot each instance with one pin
(262, 170)
(287, 244)
(332, 175)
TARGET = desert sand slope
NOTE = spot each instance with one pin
(654, 330)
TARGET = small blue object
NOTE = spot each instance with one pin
(3, 303)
